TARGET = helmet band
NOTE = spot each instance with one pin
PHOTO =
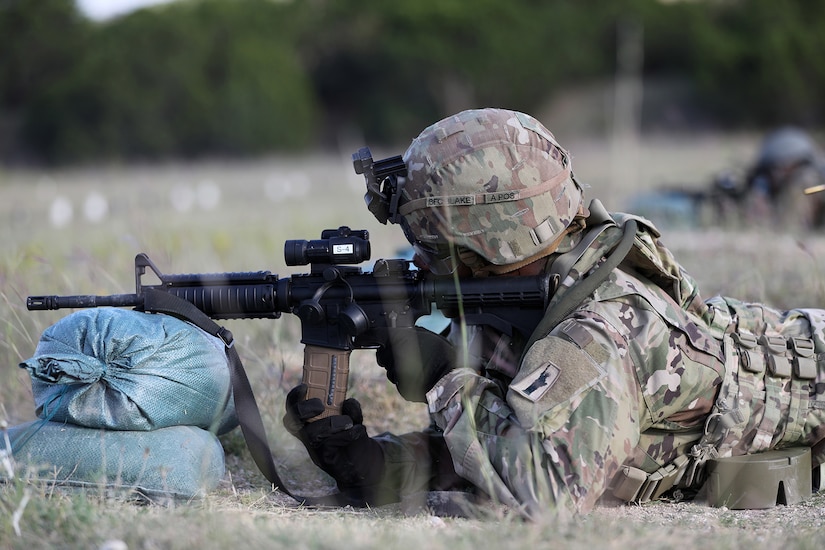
(440, 201)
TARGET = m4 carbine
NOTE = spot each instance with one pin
(338, 304)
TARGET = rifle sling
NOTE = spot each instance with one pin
(579, 292)
(246, 408)
(597, 222)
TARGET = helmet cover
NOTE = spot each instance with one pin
(494, 181)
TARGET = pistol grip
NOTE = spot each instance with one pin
(326, 372)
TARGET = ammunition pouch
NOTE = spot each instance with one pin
(635, 485)
(753, 414)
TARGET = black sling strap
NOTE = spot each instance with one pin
(579, 292)
(597, 222)
(246, 408)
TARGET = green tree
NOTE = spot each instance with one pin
(42, 42)
(390, 65)
(760, 62)
(193, 78)
(236, 77)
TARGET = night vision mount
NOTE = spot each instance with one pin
(383, 185)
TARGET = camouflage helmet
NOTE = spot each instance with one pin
(493, 181)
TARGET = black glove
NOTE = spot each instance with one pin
(415, 359)
(339, 445)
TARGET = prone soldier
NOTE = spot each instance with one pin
(629, 387)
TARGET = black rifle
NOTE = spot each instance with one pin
(338, 304)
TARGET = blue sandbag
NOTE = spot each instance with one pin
(120, 369)
(179, 461)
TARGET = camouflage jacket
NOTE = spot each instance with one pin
(628, 379)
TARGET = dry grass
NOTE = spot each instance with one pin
(262, 204)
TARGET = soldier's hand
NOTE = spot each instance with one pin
(339, 445)
(415, 359)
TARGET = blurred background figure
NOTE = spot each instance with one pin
(788, 163)
(782, 188)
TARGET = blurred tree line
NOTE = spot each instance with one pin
(244, 77)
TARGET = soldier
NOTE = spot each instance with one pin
(627, 386)
(788, 164)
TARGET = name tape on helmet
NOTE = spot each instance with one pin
(502, 197)
(468, 200)
(454, 200)
(439, 201)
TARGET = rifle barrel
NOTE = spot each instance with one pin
(39, 303)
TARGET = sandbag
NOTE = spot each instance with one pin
(179, 461)
(122, 369)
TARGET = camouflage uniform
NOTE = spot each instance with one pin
(642, 373)
(628, 379)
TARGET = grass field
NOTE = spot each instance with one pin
(77, 232)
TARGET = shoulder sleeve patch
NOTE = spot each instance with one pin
(553, 373)
(538, 382)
